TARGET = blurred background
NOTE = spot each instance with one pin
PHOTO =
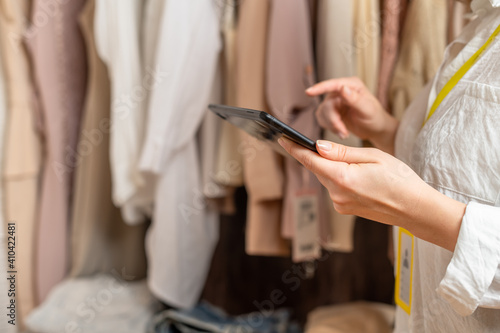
(128, 207)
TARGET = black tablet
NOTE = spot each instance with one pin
(261, 125)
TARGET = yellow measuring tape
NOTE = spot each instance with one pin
(459, 74)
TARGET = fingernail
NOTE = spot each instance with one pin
(347, 91)
(282, 142)
(343, 136)
(310, 89)
(324, 145)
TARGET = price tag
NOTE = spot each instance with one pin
(306, 222)
(404, 275)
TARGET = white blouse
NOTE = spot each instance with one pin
(117, 29)
(457, 153)
(184, 230)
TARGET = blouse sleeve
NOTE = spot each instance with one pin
(472, 278)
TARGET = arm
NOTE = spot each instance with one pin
(375, 185)
(372, 184)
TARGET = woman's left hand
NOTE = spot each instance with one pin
(372, 184)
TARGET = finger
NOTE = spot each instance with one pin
(312, 161)
(336, 118)
(333, 85)
(340, 153)
(349, 95)
(358, 99)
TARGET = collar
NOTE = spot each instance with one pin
(479, 6)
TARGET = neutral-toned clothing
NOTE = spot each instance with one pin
(118, 30)
(229, 143)
(458, 18)
(4, 283)
(290, 70)
(184, 231)
(334, 36)
(208, 137)
(97, 304)
(456, 152)
(419, 56)
(151, 20)
(60, 69)
(357, 317)
(366, 46)
(390, 47)
(210, 131)
(100, 240)
(20, 173)
(335, 31)
(263, 167)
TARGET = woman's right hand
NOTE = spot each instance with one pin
(350, 107)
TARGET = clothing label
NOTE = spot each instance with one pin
(404, 276)
(306, 223)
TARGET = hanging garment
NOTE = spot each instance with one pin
(208, 141)
(390, 47)
(230, 160)
(183, 233)
(366, 46)
(151, 20)
(357, 317)
(58, 53)
(100, 240)
(334, 35)
(118, 27)
(290, 70)
(6, 238)
(22, 166)
(457, 19)
(456, 152)
(420, 56)
(263, 167)
(209, 136)
(98, 304)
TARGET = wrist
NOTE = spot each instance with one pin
(435, 218)
(384, 138)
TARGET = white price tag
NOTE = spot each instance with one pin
(306, 223)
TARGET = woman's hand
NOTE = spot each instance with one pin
(372, 184)
(350, 107)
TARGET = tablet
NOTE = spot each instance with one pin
(261, 125)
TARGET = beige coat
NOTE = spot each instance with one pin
(333, 61)
(229, 140)
(420, 55)
(366, 45)
(100, 239)
(22, 152)
(262, 166)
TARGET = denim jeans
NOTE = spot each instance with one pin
(207, 318)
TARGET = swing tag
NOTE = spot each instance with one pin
(404, 275)
(306, 224)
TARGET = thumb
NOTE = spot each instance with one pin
(346, 154)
